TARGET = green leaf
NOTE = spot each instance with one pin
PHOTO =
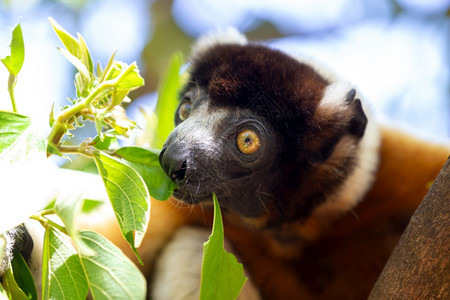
(117, 119)
(146, 163)
(18, 281)
(14, 61)
(12, 126)
(23, 277)
(76, 47)
(87, 55)
(118, 96)
(11, 288)
(77, 63)
(82, 85)
(222, 276)
(105, 144)
(99, 127)
(111, 275)
(89, 205)
(52, 115)
(167, 101)
(108, 69)
(68, 204)
(3, 294)
(131, 79)
(63, 276)
(128, 195)
(52, 149)
(99, 70)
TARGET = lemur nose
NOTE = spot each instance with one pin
(173, 161)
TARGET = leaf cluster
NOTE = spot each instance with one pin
(99, 94)
(76, 263)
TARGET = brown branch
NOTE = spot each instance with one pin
(419, 267)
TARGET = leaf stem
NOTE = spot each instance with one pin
(45, 212)
(47, 222)
(59, 127)
(78, 149)
(11, 84)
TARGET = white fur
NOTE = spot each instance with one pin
(6, 245)
(178, 269)
(316, 65)
(335, 94)
(360, 180)
(200, 128)
(219, 36)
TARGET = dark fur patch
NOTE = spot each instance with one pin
(276, 86)
(359, 121)
(236, 75)
(266, 106)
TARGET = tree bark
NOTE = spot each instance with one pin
(419, 267)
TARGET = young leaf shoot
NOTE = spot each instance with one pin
(14, 62)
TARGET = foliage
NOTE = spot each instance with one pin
(73, 261)
(76, 263)
(129, 197)
(11, 127)
(167, 101)
(14, 61)
(146, 163)
(220, 265)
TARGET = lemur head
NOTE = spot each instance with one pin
(272, 137)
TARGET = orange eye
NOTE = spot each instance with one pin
(248, 141)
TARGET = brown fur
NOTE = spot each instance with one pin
(346, 259)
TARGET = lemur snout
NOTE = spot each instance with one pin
(173, 161)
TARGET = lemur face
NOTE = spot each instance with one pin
(226, 150)
(265, 132)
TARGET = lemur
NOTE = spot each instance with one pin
(314, 193)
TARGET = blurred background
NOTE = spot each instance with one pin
(394, 51)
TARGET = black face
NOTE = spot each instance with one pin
(227, 151)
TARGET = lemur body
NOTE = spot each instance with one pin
(314, 194)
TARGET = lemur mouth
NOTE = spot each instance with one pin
(189, 195)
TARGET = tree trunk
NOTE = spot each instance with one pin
(419, 267)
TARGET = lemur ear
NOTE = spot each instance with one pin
(219, 36)
(340, 114)
(358, 122)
